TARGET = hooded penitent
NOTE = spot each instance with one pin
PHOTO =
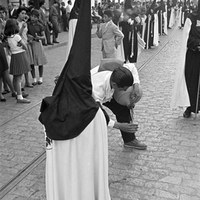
(128, 4)
(71, 107)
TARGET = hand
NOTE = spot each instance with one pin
(126, 127)
(137, 19)
(198, 47)
(135, 96)
(98, 26)
(24, 25)
(116, 45)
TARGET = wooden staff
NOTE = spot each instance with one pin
(161, 22)
(197, 101)
(148, 27)
(132, 42)
(132, 114)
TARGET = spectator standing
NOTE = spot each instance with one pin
(21, 16)
(12, 11)
(110, 34)
(64, 16)
(43, 19)
(35, 35)
(53, 14)
(3, 68)
(68, 11)
(19, 63)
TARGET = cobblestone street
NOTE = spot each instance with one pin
(168, 170)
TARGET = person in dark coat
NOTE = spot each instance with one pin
(192, 63)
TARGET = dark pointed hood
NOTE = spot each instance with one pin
(71, 108)
(128, 4)
(75, 10)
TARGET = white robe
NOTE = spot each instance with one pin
(180, 96)
(172, 18)
(156, 33)
(165, 21)
(72, 29)
(77, 169)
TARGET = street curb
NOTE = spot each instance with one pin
(55, 46)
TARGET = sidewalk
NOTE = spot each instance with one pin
(63, 38)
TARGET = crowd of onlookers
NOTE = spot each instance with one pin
(24, 30)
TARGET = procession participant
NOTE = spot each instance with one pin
(161, 18)
(76, 126)
(73, 18)
(186, 89)
(7, 83)
(129, 29)
(181, 15)
(149, 32)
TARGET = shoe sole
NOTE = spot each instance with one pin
(133, 147)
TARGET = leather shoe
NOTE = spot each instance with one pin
(34, 83)
(55, 42)
(39, 82)
(23, 100)
(5, 91)
(187, 113)
(3, 99)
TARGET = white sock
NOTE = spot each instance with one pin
(19, 96)
(34, 80)
(40, 79)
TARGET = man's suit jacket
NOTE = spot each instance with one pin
(111, 36)
(43, 18)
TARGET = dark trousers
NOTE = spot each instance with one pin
(47, 34)
(122, 114)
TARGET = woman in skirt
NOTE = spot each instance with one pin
(35, 35)
(23, 29)
(19, 62)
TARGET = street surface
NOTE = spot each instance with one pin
(168, 170)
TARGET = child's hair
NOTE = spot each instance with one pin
(35, 13)
(122, 77)
(108, 13)
(2, 8)
(41, 3)
(11, 27)
(20, 9)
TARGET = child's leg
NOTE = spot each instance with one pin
(40, 68)
(7, 79)
(33, 75)
(17, 85)
(2, 98)
(5, 86)
(27, 82)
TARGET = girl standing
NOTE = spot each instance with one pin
(19, 63)
(35, 35)
(21, 16)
